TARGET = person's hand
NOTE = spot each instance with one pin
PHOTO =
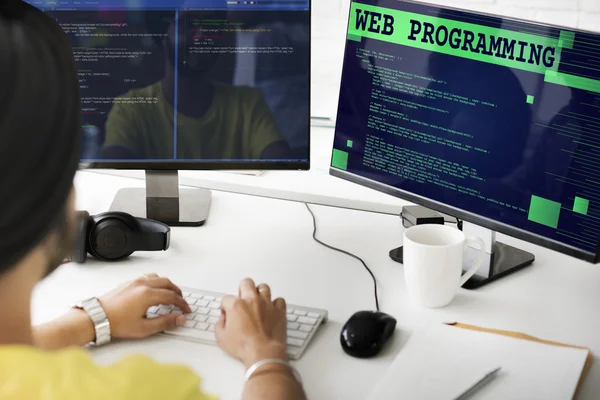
(126, 307)
(252, 327)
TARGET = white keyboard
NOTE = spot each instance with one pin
(302, 322)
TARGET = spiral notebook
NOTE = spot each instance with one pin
(439, 362)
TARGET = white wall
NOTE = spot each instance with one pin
(329, 31)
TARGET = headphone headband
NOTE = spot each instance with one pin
(154, 236)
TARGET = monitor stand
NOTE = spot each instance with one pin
(162, 200)
(501, 259)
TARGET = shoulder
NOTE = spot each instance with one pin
(138, 96)
(147, 91)
(27, 370)
(135, 103)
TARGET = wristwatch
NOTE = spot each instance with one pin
(101, 324)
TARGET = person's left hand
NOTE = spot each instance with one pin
(126, 307)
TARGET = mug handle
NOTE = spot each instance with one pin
(467, 275)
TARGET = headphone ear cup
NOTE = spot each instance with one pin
(82, 220)
(110, 237)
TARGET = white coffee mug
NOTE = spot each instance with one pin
(433, 263)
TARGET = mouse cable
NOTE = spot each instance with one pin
(314, 235)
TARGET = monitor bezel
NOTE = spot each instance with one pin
(461, 214)
(212, 165)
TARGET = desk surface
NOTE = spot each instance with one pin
(270, 240)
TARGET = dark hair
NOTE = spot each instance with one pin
(40, 126)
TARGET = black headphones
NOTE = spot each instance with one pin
(113, 236)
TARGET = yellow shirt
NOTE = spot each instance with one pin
(237, 126)
(28, 373)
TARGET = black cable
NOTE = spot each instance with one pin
(314, 235)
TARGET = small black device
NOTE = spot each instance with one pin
(113, 236)
(365, 333)
(417, 215)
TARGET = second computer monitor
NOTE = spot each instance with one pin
(490, 119)
(170, 85)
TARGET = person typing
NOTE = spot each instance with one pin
(39, 154)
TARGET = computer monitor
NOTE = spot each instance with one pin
(495, 121)
(170, 85)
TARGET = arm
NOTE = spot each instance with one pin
(122, 139)
(267, 141)
(254, 328)
(125, 308)
(74, 328)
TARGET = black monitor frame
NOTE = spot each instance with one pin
(465, 215)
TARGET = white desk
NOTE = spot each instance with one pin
(270, 240)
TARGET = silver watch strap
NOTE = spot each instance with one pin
(101, 324)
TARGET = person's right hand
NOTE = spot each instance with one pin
(126, 307)
(252, 327)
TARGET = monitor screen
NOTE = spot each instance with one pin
(494, 120)
(196, 83)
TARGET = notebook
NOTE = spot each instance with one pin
(439, 362)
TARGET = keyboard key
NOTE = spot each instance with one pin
(185, 294)
(152, 310)
(176, 309)
(295, 342)
(294, 353)
(307, 320)
(163, 310)
(201, 303)
(196, 295)
(211, 298)
(211, 328)
(313, 315)
(201, 326)
(151, 316)
(219, 299)
(291, 318)
(193, 334)
(202, 310)
(293, 325)
(214, 305)
(215, 313)
(305, 328)
(190, 324)
(300, 312)
(297, 334)
(200, 318)
(194, 308)
(290, 311)
(212, 320)
(191, 301)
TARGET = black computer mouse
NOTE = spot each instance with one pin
(365, 333)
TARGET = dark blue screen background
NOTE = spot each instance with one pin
(211, 81)
(549, 149)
